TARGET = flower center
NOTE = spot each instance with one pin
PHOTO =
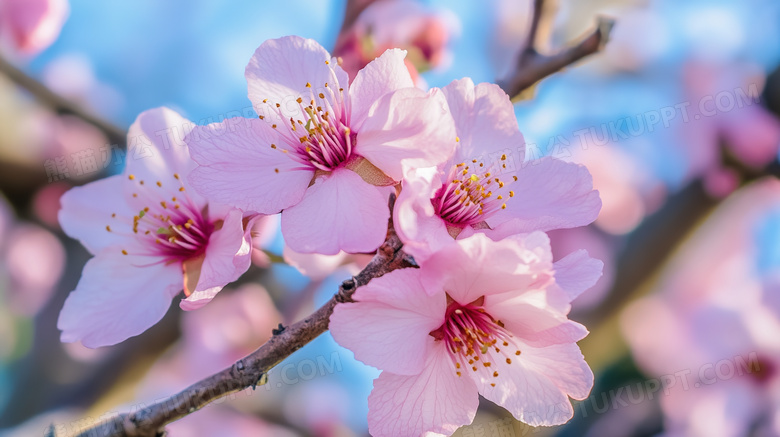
(470, 196)
(471, 335)
(170, 226)
(317, 134)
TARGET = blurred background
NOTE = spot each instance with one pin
(677, 120)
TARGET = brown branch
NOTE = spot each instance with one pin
(533, 32)
(533, 66)
(352, 12)
(58, 103)
(250, 371)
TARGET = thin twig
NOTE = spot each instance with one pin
(533, 67)
(533, 32)
(351, 13)
(251, 370)
(58, 103)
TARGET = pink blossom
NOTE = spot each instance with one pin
(749, 132)
(708, 310)
(322, 148)
(220, 421)
(151, 236)
(32, 25)
(406, 24)
(485, 187)
(478, 317)
(228, 329)
(318, 267)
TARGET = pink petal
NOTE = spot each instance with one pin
(550, 194)
(86, 211)
(513, 264)
(381, 76)
(399, 123)
(536, 386)
(419, 227)
(436, 400)
(118, 297)
(484, 119)
(317, 267)
(388, 327)
(535, 316)
(239, 167)
(280, 69)
(339, 212)
(33, 24)
(156, 149)
(577, 272)
(228, 256)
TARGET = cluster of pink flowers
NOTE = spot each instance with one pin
(711, 323)
(485, 312)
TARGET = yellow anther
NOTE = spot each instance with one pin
(131, 177)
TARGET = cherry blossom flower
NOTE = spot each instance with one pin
(406, 24)
(485, 187)
(32, 25)
(151, 235)
(322, 147)
(478, 317)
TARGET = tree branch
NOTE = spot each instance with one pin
(250, 371)
(58, 103)
(533, 32)
(533, 66)
(352, 11)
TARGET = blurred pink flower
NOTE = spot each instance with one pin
(323, 159)
(708, 314)
(32, 25)
(231, 327)
(264, 231)
(318, 267)
(33, 260)
(725, 112)
(484, 187)
(221, 421)
(151, 237)
(321, 406)
(499, 330)
(404, 24)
